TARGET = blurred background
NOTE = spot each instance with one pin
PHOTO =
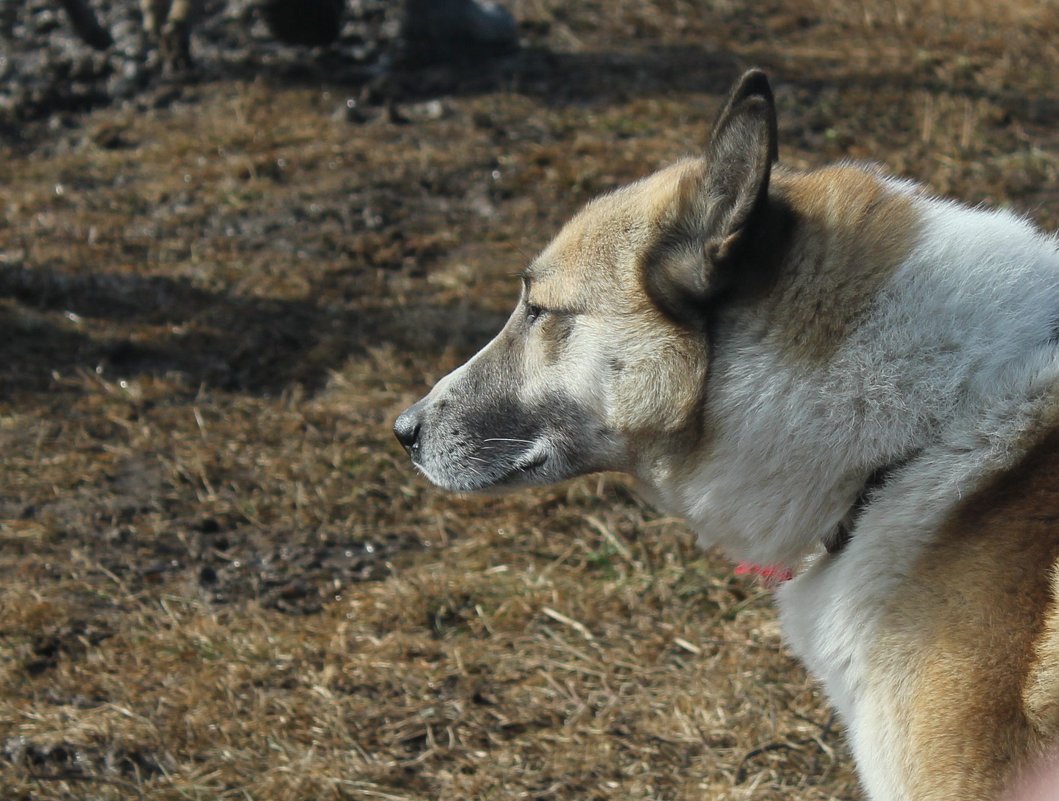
(224, 269)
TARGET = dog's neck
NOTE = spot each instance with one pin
(788, 461)
(806, 400)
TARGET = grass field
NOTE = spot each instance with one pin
(219, 577)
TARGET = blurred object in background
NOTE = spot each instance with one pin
(84, 22)
(433, 30)
(297, 22)
(167, 24)
(82, 16)
(1039, 784)
(441, 30)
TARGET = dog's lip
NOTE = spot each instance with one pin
(531, 461)
(517, 469)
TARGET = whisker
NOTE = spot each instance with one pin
(507, 439)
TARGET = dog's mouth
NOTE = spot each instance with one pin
(475, 476)
(525, 469)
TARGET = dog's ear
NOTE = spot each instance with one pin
(717, 206)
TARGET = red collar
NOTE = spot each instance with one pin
(774, 575)
(770, 575)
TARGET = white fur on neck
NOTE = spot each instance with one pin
(968, 316)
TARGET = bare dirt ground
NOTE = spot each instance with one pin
(219, 578)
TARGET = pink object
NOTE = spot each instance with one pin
(770, 575)
(1039, 784)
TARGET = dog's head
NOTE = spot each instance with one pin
(604, 358)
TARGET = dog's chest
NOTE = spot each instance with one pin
(830, 617)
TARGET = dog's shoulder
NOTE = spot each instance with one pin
(937, 629)
(969, 641)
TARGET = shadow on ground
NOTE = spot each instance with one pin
(221, 340)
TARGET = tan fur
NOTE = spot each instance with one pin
(592, 267)
(614, 229)
(968, 654)
(1041, 693)
(852, 232)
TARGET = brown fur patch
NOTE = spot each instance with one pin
(971, 641)
(591, 269)
(593, 260)
(1041, 693)
(851, 233)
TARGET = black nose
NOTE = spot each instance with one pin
(406, 428)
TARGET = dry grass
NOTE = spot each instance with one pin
(219, 578)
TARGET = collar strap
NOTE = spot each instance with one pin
(836, 542)
(838, 539)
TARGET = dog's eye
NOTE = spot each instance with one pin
(533, 313)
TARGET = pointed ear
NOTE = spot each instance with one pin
(717, 207)
(742, 149)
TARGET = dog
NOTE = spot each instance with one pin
(831, 374)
